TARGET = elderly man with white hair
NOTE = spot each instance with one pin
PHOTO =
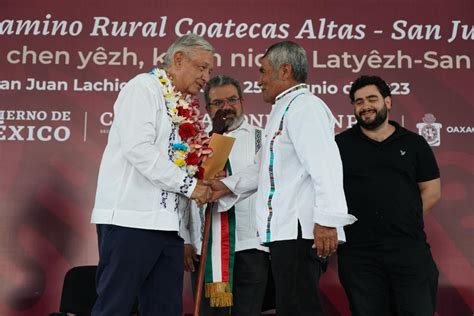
(150, 170)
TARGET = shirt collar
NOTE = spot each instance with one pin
(399, 131)
(243, 126)
(290, 90)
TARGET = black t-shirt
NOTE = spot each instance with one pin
(381, 185)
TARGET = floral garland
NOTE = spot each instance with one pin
(183, 110)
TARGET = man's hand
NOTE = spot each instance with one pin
(219, 189)
(325, 239)
(202, 193)
(189, 258)
(220, 175)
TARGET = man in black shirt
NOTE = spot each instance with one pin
(391, 179)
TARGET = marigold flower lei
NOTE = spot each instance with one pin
(193, 149)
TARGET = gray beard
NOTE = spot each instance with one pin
(234, 123)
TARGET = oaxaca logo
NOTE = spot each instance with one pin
(430, 130)
(43, 126)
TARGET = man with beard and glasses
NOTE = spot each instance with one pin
(223, 97)
(391, 179)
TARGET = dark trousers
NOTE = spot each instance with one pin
(296, 271)
(381, 280)
(147, 264)
(249, 284)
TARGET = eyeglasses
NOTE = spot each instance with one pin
(231, 101)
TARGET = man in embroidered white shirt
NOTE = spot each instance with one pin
(301, 207)
(246, 263)
(145, 184)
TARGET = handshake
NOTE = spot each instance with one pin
(209, 191)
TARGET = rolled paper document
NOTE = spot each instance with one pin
(221, 146)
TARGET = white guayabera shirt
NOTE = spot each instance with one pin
(298, 172)
(247, 142)
(139, 186)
